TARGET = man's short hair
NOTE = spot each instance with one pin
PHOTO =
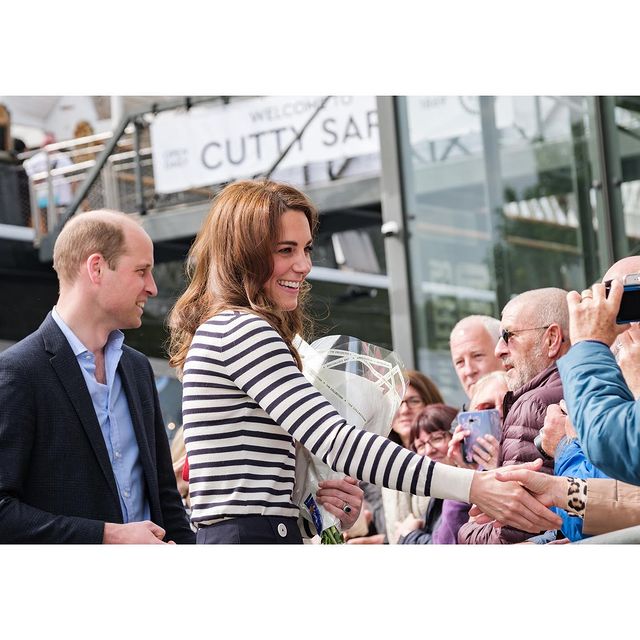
(100, 231)
(491, 325)
(544, 307)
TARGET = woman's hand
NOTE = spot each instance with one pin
(409, 524)
(337, 495)
(378, 538)
(550, 490)
(455, 448)
(485, 451)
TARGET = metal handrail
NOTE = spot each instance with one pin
(630, 535)
(67, 145)
(46, 245)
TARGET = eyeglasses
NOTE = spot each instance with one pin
(412, 403)
(506, 334)
(434, 441)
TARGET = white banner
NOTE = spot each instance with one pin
(446, 117)
(208, 145)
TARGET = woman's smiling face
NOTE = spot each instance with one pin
(291, 260)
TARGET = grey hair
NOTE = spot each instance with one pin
(544, 307)
(489, 376)
(485, 379)
(491, 325)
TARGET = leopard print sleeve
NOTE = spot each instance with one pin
(576, 497)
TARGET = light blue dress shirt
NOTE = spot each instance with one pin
(112, 410)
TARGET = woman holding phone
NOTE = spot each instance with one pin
(245, 400)
(488, 394)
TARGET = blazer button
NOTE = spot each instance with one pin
(282, 530)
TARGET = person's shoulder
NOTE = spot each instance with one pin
(27, 348)
(134, 354)
(231, 322)
(585, 354)
(22, 359)
(63, 160)
(140, 365)
(137, 359)
(550, 391)
(35, 163)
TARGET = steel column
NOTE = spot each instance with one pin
(395, 231)
(612, 239)
(140, 205)
(494, 198)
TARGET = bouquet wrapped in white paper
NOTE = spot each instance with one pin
(365, 383)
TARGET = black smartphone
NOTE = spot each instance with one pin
(630, 304)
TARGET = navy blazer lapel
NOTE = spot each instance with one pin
(128, 376)
(66, 366)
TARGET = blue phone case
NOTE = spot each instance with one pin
(480, 423)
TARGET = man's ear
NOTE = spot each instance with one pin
(554, 340)
(95, 266)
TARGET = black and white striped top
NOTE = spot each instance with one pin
(244, 402)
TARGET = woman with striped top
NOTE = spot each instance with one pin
(246, 402)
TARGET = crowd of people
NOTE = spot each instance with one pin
(84, 456)
(32, 164)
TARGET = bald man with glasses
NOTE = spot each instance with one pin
(534, 332)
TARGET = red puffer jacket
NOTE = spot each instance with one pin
(524, 411)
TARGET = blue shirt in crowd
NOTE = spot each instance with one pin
(571, 461)
(603, 410)
(112, 410)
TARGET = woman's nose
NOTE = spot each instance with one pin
(302, 265)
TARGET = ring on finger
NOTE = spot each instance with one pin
(346, 507)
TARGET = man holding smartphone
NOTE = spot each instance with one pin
(601, 377)
(628, 357)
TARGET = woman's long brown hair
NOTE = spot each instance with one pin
(231, 259)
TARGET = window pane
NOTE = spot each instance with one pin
(495, 191)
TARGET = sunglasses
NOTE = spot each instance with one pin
(506, 334)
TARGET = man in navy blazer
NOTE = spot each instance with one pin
(84, 457)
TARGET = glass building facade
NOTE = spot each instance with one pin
(496, 196)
